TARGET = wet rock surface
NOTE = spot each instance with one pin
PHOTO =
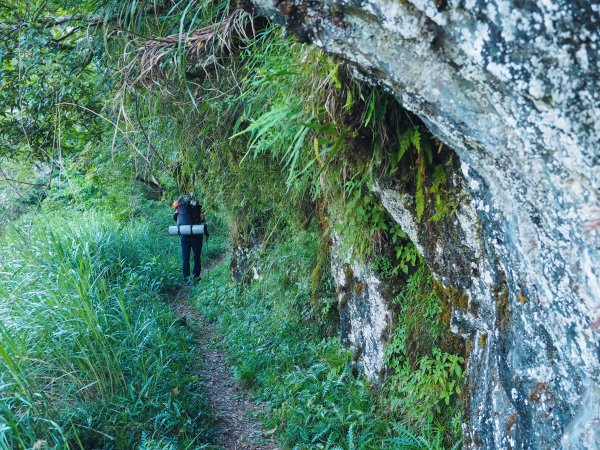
(512, 87)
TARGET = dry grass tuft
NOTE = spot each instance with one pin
(195, 53)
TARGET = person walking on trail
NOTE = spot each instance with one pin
(189, 212)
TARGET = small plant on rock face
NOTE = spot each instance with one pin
(403, 258)
(424, 380)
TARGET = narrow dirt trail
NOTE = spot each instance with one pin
(236, 426)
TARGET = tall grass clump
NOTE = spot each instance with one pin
(89, 354)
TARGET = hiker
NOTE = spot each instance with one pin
(189, 212)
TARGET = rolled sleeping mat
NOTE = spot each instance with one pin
(187, 230)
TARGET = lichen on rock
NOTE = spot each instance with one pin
(365, 315)
(512, 87)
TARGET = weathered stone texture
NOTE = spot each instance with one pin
(513, 87)
(365, 315)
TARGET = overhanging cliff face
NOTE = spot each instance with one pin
(512, 87)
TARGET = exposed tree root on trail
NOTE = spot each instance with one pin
(236, 427)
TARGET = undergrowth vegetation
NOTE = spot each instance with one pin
(287, 148)
(315, 400)
(89, 353)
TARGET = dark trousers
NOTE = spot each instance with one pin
(189, 243)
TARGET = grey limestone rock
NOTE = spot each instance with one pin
(365, 315)
(513, 87)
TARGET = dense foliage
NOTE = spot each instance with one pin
(114, 106)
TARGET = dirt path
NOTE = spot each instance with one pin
(236, 425)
